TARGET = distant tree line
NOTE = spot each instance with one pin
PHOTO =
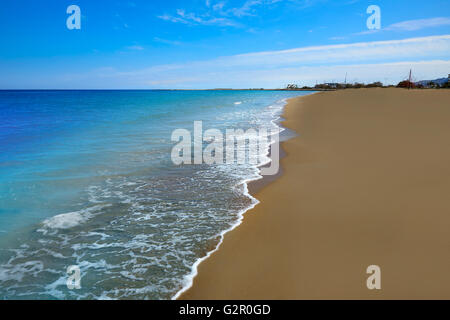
(377, 84)
(334, 86)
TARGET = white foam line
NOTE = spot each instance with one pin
(189, 279)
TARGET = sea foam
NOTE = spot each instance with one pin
(71, 219)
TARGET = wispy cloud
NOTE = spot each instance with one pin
(338, 38)
(135, 47)
(219, 13)
(413, 25)
(360, 51)
(166, 41)
(204, 19)
(248, 9)
(387, 61)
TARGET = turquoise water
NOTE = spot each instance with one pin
(86, 179)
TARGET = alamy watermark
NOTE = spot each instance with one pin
(234, 146)
(374, 21)
(374, 280)
(74, 278)
(74, 20)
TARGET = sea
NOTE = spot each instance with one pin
(87, 180)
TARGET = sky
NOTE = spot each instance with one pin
(194, 44)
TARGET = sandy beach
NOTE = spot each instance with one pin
(366, 182)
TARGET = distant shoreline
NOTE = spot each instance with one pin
(218, 89)
(167, 89)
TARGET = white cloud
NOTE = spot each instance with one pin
(218, 6)
(434, 46)
(413, 25)
(367, 61)
(194, 19)
(247, 9)
(338, 38)
(135, 47)
(170, 18)
(388, 73)
(218, 13)
(386, 61)
(165, 41)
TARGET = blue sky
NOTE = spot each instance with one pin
(219, 43)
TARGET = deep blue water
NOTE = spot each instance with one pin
(86, 179)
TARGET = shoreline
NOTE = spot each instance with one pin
(256, 186)
(277, 253)
(194, 269)
(251, 188)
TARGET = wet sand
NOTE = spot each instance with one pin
(366, 182)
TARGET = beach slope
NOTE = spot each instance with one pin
(366, 182)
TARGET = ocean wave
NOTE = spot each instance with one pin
(72, 219)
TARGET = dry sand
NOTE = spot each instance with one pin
(366, 182)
